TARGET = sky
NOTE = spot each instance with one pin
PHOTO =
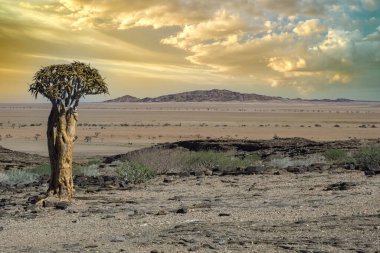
(289, 48)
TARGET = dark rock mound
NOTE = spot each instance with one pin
(10, 159)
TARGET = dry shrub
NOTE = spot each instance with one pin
(159, 160)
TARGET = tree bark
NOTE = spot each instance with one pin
(61, 134)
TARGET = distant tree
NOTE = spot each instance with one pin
(36, 137)
(64, 85)
(88, 139)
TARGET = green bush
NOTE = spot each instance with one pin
(135, 172)
(88, 171)
(285, 162)
(281, 163)
(159, 159)
(14, 177)
(93, 162)
(212, 159)
(368, 156)
(251, 159)
(337, 155)
(41, 170)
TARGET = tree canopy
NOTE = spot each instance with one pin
(65, 84)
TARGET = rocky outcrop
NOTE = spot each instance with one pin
(10, 159)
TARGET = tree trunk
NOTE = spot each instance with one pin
(61, 134)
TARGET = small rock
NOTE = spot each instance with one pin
(224, 214)
(108, 217)
(209, 246)
(208, 172)
(295, 169)
(71, 246)
(92, 189)
(118, 239)
(33, 199)
(182, 210)
(369, 173)
(1, 228)
(108, 183)
(254, 169)
(123, 184)
(61, 205)
(351, 166)
(154, 251)
(222, 242)
(184, 174)
(162, 212)
(47, 203)
(373, 167)
(91, 246)
(194, 248)
(199, 173)
(252, 187)
(286, 247)
(168, 180)
(342, 186)
(177, 198)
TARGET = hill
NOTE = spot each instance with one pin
(214, 95)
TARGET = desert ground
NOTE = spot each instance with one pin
(283, 213)
(113, 128)
(275, 177)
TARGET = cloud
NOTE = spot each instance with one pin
(370, 4)
(308, 27)
(301, 44)
(286, 64)
(220, 26)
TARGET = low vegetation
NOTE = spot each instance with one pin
(40, 170)
(142, 165)
(134, 172)
(16, 177)
(338, 156)
(285, 162)
(202, 160)
(90, 170)
(368, 157)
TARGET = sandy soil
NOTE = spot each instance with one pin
(121, 127)
(256, 213)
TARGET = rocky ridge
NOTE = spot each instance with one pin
(214, 95)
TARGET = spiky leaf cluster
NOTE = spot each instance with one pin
(65, 84)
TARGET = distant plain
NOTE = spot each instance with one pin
(112, 128)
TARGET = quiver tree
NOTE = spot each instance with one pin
(64, 85)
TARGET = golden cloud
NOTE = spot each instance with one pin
(308, 27)
(281, 43)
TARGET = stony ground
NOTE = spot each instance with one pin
(331, 211)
